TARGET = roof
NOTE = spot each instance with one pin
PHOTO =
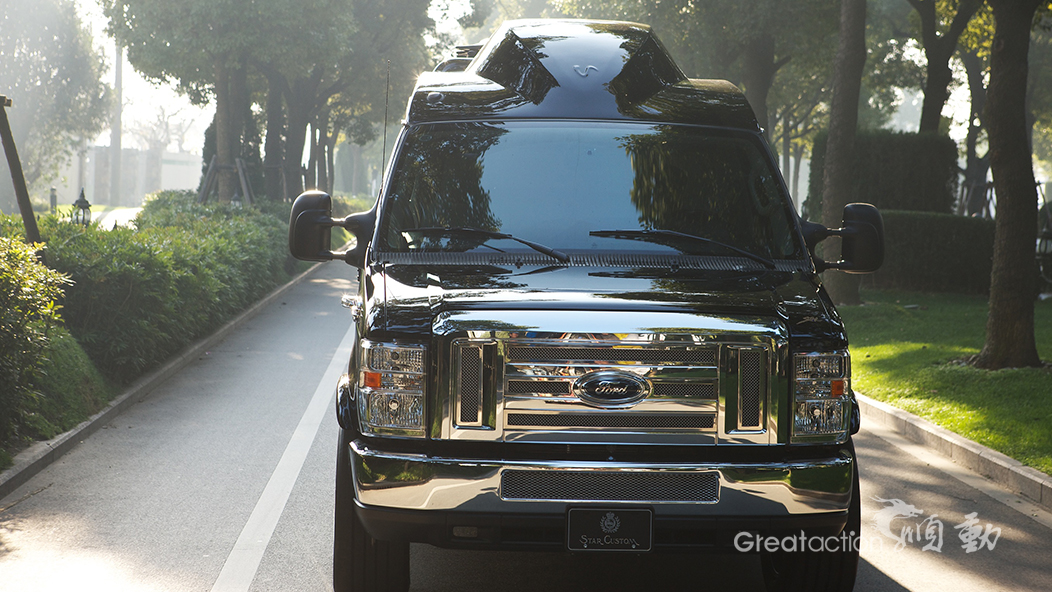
(576, 69)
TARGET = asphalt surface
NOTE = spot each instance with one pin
(222, 479)
(116, 217)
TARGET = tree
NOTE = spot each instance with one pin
(1039, 80)
(1010, 339)
(202, 45)
(938, 49)
(843, 124)
(347, 60)
(53, 75)
(973, 49)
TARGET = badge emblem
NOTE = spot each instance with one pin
(610, 523)
(611, 389)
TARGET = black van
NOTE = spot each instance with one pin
(590, 319)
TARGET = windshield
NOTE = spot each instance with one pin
(560, 184)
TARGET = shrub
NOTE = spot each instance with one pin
(28, 313)
(140, 295)
(344, 205)
(71, 389)
(894, 171)
(930, 252)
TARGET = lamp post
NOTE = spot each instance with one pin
(81, 211)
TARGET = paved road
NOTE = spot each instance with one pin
(116, 217)
(222, 480)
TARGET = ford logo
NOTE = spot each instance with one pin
(611, 388)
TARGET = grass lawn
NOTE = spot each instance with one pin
(907, 349)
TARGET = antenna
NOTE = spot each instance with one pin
(383, 153)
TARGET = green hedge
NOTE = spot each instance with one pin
(893, 171)
(930, 252)
(140, 295)
(28, 314)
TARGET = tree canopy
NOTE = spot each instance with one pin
(293, 57)
(53, 75)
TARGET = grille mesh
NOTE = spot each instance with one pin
(611, 420)
(470, 384)
(702, 357)
(751, 365)
(641, 486)
(547, 387)
(685, 390)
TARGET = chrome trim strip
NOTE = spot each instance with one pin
(469, 387)
(699, 487)
(752, 382)
(413, 481)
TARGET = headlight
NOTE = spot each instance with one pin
(822, 393)
(391, 389)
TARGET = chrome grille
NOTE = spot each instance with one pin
(612, 420)
(610, 486)
(521, 388)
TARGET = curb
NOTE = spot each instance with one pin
(39, 455)
(1002, 470)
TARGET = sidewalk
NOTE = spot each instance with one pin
(1004, 471)
(39, 455)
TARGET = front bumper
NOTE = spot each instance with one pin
(459, 502)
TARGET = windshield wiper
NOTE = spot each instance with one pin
(669, 237)
(452, 230)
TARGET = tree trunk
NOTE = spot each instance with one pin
(274, 146)
(798, 156)
(310, 180)
(758, 75)
(330, 160)
(937, 51)
(356, 160)
(299, 119)
(318, 156)
(975, 167)
(840, 145)
(787, 145)
(936, 90)
(1013, 280)
(224, 132)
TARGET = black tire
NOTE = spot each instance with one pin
(361, 563)
(810, 571)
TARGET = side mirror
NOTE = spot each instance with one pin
(310, 230)
(310, 227)
(862, 240)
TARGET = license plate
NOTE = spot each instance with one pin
(589, 529)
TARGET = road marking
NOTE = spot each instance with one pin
(968, 477)
(243, 562)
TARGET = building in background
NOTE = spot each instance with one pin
(142, 172)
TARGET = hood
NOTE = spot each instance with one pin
(415, 296)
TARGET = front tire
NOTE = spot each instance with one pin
(810, 571)
(361, 563)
